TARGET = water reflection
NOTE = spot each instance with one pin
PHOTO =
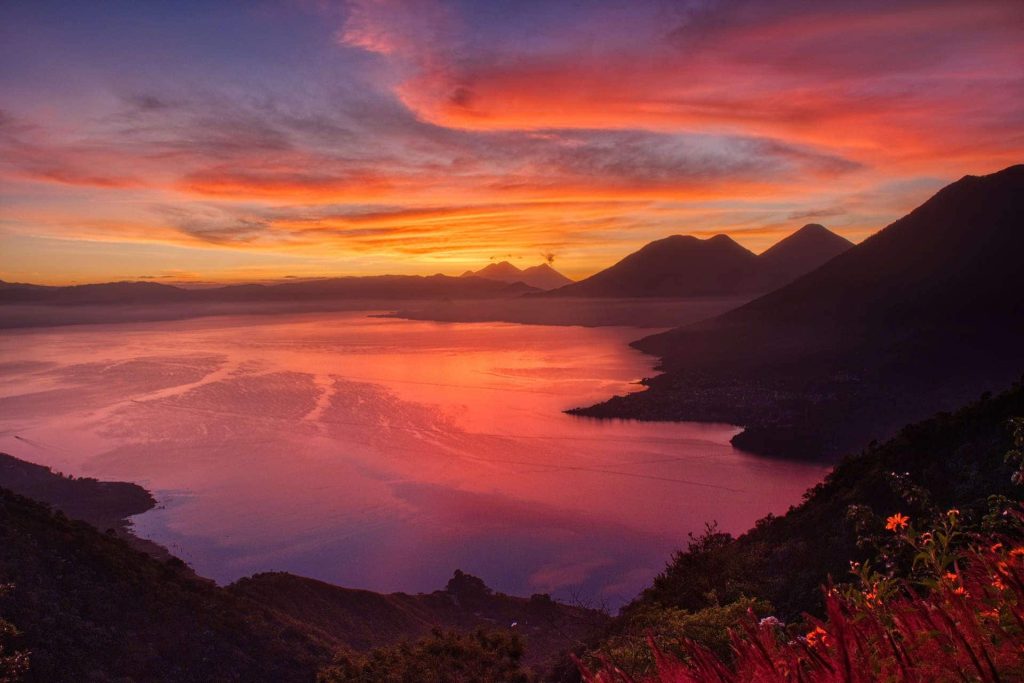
(383, 453)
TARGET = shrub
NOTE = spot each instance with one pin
(442, 657)
(663, 627)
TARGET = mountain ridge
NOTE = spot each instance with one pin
(878, 315)
(368, 287)
(687, 266)
(541, 276)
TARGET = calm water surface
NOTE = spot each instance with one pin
(381, 453)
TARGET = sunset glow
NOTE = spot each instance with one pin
(245, 141)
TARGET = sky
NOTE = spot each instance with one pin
(238, 141)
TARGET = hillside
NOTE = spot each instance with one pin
(92, 608)
(952, 460)
(541, 276)
(105, 505)
(855, 349)
(685, 266)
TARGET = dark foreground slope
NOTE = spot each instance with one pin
(919, 318)
(90, 607)
(953, 460)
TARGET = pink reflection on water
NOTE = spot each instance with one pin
(383, 453)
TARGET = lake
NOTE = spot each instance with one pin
(382, 453)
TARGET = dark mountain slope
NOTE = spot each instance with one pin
(677, 266)
(92, 608)
(806, 249)
(918, 318)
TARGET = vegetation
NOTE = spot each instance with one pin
(957, 616)
(943, 604)
(362, 620)
(651, 629)
(441, 657)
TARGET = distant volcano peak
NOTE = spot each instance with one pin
(541, 276)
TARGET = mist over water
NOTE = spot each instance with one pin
(382, 453)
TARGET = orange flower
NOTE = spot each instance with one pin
(959, 590)
(951, 577)
(995, 548)
(818, 636)
(897, 522)
(1017, 552)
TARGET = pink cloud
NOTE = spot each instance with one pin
(889, 82)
